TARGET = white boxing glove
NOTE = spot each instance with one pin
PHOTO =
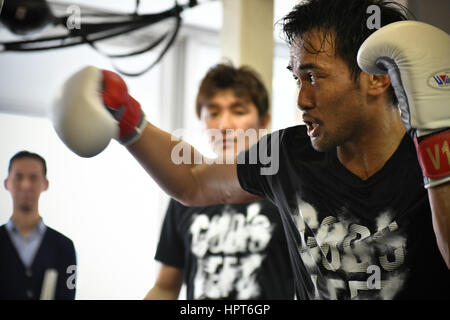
(93, 107)
(416, 56)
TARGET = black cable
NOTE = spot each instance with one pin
(90, 33)
(160, 56)
(84, 34)
(151, 46)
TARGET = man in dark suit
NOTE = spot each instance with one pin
(36, 262)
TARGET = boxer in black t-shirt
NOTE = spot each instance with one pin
(358, 220)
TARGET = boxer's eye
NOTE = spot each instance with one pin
(309, 77)
(297, 80)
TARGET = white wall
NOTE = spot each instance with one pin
(107, 205)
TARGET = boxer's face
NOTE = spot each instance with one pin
(225, 111)
(25, 182)
(331, 103)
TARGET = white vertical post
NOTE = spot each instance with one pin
(247, 36)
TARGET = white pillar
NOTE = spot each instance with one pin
(247, 36)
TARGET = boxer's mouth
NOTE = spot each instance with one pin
(313, 126)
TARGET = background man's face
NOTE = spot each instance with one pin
(225, 111)
(25, 182)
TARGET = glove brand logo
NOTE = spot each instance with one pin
(440, 80)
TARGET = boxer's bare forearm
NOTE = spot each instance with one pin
(157, 293)
(440, 207)
(167, 285)
(189, 183)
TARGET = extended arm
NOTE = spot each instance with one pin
(191, 184)
(94, 106)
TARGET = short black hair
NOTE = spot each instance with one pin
(28, 154)
(343, 23)
(243, 81)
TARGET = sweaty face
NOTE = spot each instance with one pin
(224, 114)
(25, 182)
(331, 103)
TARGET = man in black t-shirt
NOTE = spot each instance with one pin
(234, 251)
(350, 184)
(353, 238)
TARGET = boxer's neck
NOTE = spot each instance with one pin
(369, 152)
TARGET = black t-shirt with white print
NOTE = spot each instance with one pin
(349, 238)
(235, 251)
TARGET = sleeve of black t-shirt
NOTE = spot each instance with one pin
(170, 250)
(254, 166)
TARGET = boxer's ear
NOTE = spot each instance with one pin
(376, 84)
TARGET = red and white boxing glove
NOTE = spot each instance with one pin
(93, 107)
(416, 56)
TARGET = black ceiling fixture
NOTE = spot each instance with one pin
(28, 17)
